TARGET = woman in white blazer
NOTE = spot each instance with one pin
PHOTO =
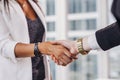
(15, 47)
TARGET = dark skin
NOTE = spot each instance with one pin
(27, 9)
(27, 50)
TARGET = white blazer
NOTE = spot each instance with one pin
(14, 29)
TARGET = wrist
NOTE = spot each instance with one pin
(80, 47)
(76, 47)
(86, 46)
(37, 52)
(44, 48)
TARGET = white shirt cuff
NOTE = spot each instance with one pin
(92, 42)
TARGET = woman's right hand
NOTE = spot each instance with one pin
(59, 51)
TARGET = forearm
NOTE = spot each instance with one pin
(24, 50)
(27, 50)
(104, 39)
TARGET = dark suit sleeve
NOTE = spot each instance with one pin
(109, 37)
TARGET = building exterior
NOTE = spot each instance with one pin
(72, 19)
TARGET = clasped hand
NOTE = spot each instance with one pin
(67, 51)
(62, 52)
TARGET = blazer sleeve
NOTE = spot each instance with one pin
(109, 37)
(7, 45)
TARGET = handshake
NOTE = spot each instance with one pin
(63, 52)
(68, 52)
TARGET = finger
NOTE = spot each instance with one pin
(65, 60)
(51, 57)
(54, 59)
(74, 56)
(67, 53)
(60, 62)
(57, 62)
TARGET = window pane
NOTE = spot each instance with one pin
(75, 70)
(90, 5)
(89, 24)
(78, 6)
(91, 67)
(84, 68)
(50, 26)
(114, 65)
(50, 7)
(50, 39)
(74, 6)
(75, 25)
(52, 68)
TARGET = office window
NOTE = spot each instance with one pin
(84, 67)
(75, 25)
(79, 6)
(75, 70)
(90, 5)
(75, 6)
(91, 67)
(75, 66)
(52, 69)
(50, 26)
(50, 7)
(50, 39)
(89, 24)
(114, 63)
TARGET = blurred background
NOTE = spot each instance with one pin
(72, 19)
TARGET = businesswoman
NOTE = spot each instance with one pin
(22, 47)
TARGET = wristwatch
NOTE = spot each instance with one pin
(80, 47)
(36, 50)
